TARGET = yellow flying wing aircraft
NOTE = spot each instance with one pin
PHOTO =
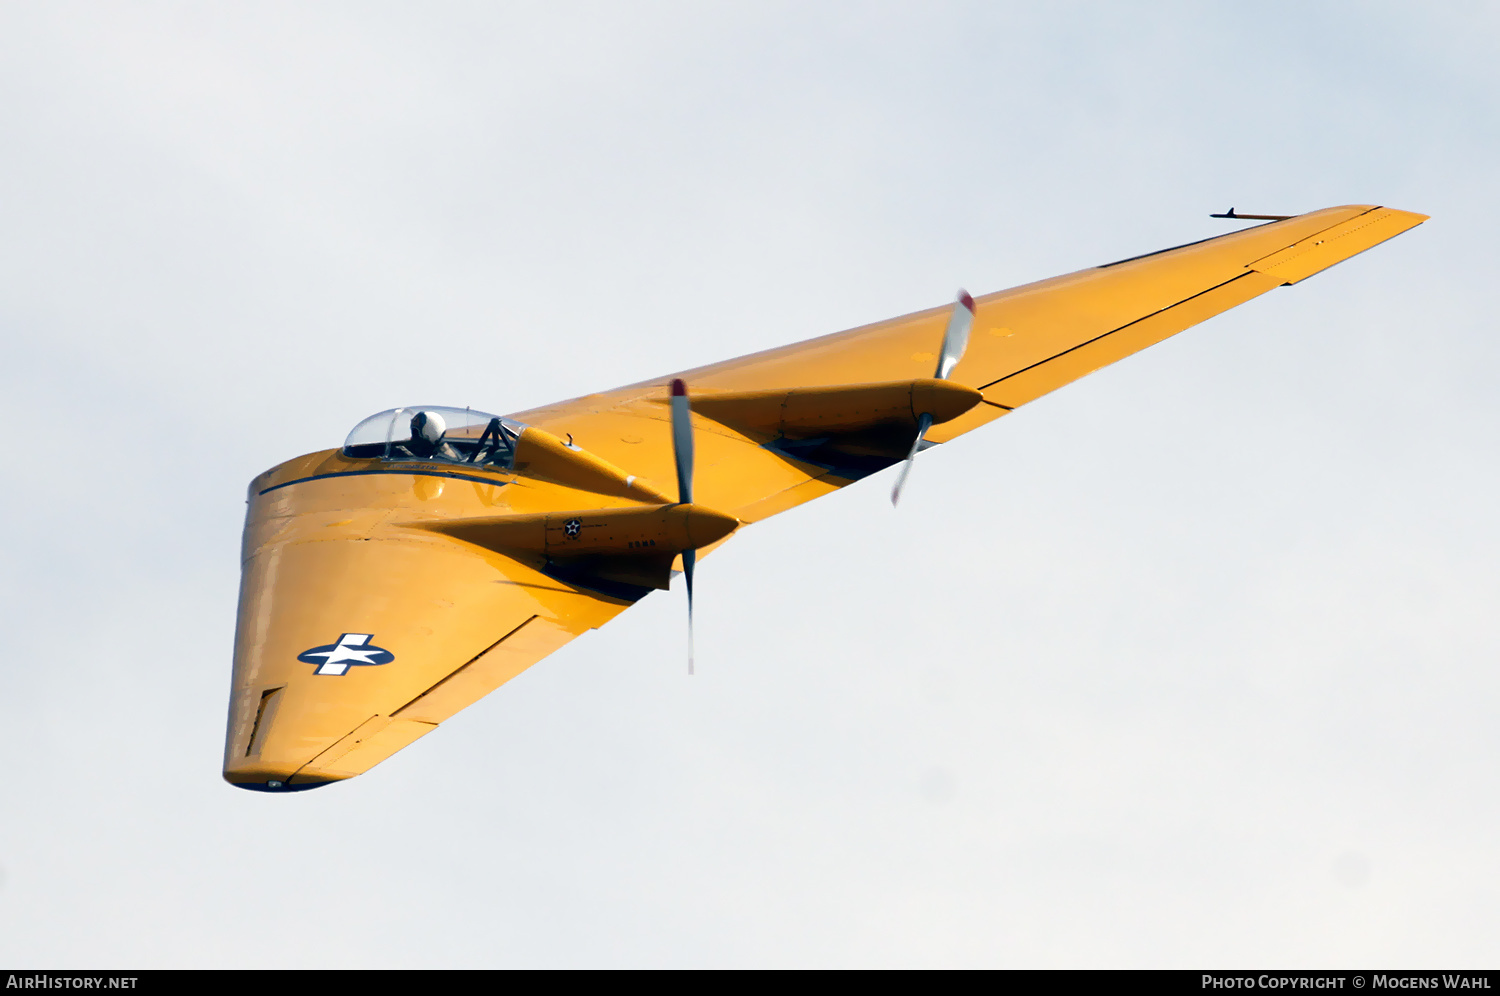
(440, 552)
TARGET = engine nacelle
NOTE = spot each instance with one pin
(805, 412)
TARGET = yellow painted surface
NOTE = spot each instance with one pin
(1319, 251)
(435, 602)
(337, 546)
(1069, 364)
(517, 650)
(372, 742)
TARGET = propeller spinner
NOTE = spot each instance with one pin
(955, 341)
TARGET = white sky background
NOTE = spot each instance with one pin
(1190, 663)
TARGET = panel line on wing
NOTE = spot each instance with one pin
(1106, 335)
(332, 752)
(1185, 245)
(463, 667)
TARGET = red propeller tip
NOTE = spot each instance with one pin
(965, 300)
(679, 389)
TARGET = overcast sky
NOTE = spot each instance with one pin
(1192, 663)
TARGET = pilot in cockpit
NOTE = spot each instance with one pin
(426, 443)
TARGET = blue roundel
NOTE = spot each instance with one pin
(352, 650)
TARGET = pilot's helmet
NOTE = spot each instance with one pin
(428, 426)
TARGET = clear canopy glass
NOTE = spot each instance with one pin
(436, 433)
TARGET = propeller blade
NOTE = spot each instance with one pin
(956, 338)
(689, 560)
(682, 450)
(923, 424)
(955, 341)
(682, 441)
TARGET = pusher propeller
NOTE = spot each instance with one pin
(955, 341)
(682, 450)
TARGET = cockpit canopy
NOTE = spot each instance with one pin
(436, 433)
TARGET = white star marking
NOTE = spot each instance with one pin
(337, 660)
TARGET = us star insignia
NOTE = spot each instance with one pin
(353, 649)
